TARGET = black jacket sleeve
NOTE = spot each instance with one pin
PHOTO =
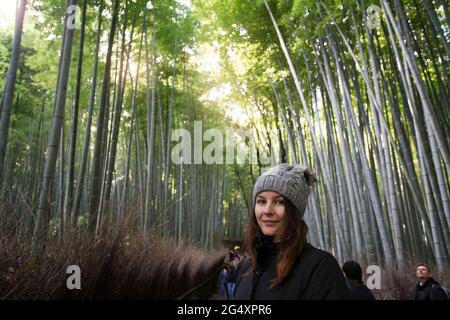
(327, 281)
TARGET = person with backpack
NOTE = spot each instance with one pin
(280, 263)
(427, 288)
(358, 290)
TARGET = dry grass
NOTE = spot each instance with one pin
(120, 263)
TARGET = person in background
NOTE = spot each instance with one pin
(427, 288)
(231, 279)
(358, 290)
(223, 279)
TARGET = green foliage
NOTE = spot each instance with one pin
(241, 36)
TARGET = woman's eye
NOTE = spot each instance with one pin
(260, 201)
(280, 201)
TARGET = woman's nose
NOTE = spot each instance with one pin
(268, 208)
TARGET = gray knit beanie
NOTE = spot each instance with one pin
(292, 182)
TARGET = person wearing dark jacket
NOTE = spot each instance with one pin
(427, 288)
(280, 264)
(231, 281)
(223, 280)
(358, 290)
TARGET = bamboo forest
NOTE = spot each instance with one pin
(132, 133)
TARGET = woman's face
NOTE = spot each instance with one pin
(269, 212)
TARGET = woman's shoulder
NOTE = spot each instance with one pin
(313, 258)
(245, 263)
(321, 271)
(244, 266)
(311, 252)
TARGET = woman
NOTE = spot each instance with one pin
(280, 263)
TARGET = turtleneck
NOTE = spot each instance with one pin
(265, 260)
(268, 246)
(267, 251)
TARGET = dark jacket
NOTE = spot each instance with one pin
(223, 277)
(359, 291)
(316, 276)
(430, 290)
(232, 274)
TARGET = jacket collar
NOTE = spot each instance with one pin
(427, 283)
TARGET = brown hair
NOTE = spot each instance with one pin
(290, 241)
(424, 265)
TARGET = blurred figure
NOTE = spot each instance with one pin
(223, 279)
(358, 290)
(234, 254)
(427, 288)
(231, 279)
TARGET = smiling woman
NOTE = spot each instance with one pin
(7, 13)
(280, 263)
